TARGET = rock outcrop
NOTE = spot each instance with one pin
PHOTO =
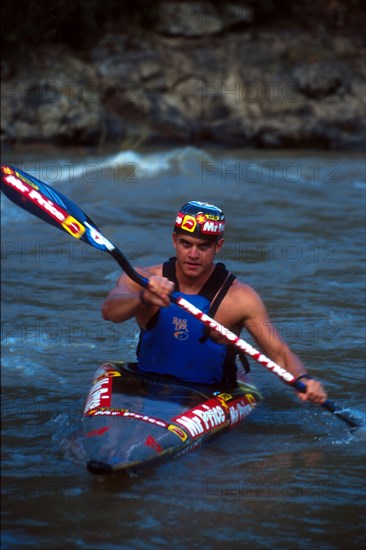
(198, 76)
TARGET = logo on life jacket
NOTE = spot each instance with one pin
(181, 331)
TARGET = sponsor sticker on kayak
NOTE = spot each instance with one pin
(202, 419)
(151, 442)
(110, 411)
(106, 370)
(99, 431)
(178, 431)
(240, 408)
(146, 418)
(100, 395)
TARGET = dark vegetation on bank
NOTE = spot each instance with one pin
(80, 24)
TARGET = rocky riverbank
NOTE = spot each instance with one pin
(197, 76)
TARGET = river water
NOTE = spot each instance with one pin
(292, 475)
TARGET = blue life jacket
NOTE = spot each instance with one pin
(176, 344)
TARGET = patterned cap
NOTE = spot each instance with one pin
(201, 219)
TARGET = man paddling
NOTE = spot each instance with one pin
(172, 342)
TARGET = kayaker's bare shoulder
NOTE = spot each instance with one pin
(146, 272)
(241, 303)
(242, 291)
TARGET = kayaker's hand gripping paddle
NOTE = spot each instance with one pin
(52, 207)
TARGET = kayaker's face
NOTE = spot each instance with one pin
(195, 256)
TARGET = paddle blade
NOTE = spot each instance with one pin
(50, 206)
(344, 415)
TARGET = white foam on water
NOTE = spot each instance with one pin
(359, 185)
(183, 160)
(146, 164)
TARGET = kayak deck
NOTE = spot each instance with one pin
(132, 420)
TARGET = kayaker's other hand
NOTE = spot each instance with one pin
(158, 291)
(315, 392)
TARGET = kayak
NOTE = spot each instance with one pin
(133, 420)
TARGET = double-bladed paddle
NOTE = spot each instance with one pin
(46, 203)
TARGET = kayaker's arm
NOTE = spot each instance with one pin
(129, 300)
(120, 306)
(257, 322)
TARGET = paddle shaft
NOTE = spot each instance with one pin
(51, 206)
